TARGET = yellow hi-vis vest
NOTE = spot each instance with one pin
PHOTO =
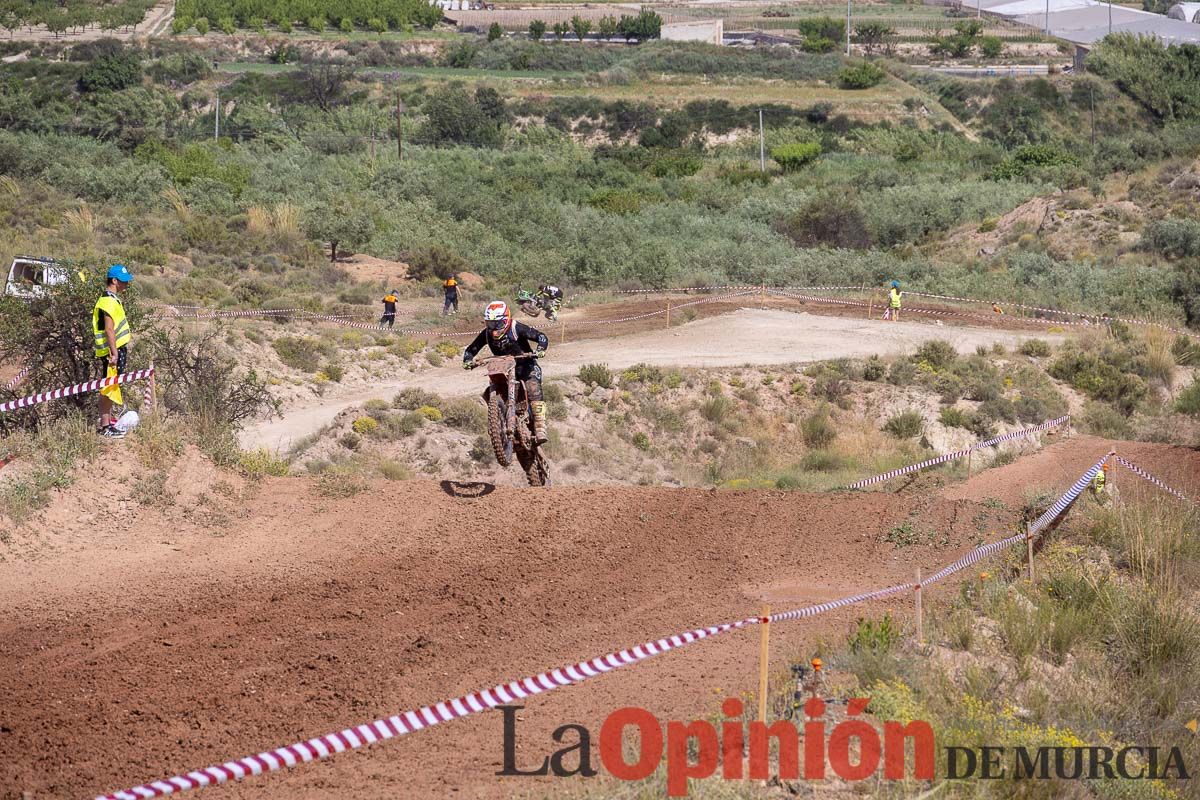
(894, 297)
(110, 304)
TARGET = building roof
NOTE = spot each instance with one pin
(1085, 22)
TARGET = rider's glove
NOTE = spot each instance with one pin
(539, 354)
(468, 365)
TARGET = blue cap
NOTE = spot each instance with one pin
(119, 272)
(896, 284)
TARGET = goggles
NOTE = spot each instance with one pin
(496, 324)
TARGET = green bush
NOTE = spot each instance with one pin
(201, 26)
(1188, 401)
(412, 399)
(1029, 158)
(818, 429)
(116, 69)
(1173, 238)
(1105, 375)
(641, 441)
(937, 353)
(364, 426)
(1034, 348)
(298, 352)
(537, 29)
(430, 413)
(791, 157)
(862, 75)
(495, 32)
(1101, 419)
(991, 46)
(596, 375)
(874, 369)
(821, 34)
(906, 425)
(464, 414)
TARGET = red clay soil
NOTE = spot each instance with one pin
(161, 647)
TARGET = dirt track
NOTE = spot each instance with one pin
(156, 646)
(742, 336)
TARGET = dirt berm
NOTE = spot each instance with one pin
(145, 645)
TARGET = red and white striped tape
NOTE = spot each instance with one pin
(17, 379)
(1136, 470)
(942, 459)
(658, 312)
(70, 391)
(381, 730)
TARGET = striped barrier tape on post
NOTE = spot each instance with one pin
(684, 289)
(658, 312)
(942, 459)
(1136, 470)
(16, 380)
(71, 391)
(380, 730)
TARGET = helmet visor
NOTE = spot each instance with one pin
(496, 324)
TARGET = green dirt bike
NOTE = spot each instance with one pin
(510, 419)
(534, 304)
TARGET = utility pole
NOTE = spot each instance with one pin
(399, 133)
(217, 120)
(1110, 17)
(762, 145)
(1047, 17)
(848, 28)
(1092, 98)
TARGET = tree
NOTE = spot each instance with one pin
(495, 32)
(56, 21)
(960, 43)
(202, 26)
(345, 225)
(112, 71)
(10, 20)
(323, 83)
(347, 25)
(646, 25)
(873, 35)
(821, 34)
(580, 26)
(453, 116)
(1164, 80)
(227, 25)
(560, 30)
(537, 29)
(608, 26)
(316, 23)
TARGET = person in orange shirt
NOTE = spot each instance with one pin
(389, 310)
(451, 288)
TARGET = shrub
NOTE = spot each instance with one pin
(717, 409)
(393, 470)
(874, 369)
(430, 413)
(1101, 419)
(791, 157)
(298, 352)
(1034, 348)
(641, 441)
(464, 414)
(835, 219)
(818, 429)
(346, 25)
(821, 34)
(596, 375)
(863, 75)
(906, 425)
(1029, 158)
(938, 353)
(116, 69)
(201, 26)
(350, 440)
(495, 32)
(1172, 238)
(412, 399)
(1105, 375)
(1188, 401)
(262, 462)
(537, 29)
(991, 46)
(365, 426)
(339, 483)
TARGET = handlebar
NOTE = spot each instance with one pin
(478, 362)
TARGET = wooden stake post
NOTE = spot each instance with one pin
(764, 657)
(1029, 552)
(920, 615)
(871, 305)
(562, 329)
(668, 313)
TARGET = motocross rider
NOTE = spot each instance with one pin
(508, 337)
(551, 298)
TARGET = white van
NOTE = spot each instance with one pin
(28, 277)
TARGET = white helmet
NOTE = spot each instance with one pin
(498, 318)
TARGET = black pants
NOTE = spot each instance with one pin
(529, 371)
(388, 318)
(122, 358)
(451, 300)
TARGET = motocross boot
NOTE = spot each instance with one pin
(539, 421)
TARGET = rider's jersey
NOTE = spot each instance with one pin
(520, 339)
(553, 292)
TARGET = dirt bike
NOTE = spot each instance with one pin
(534, 304)
(510, 419)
